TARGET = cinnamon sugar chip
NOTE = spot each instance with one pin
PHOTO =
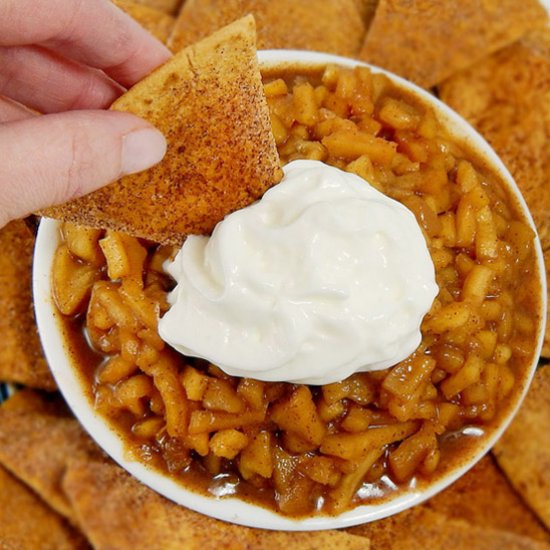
(31, 401)
(484, 497)
(27, 523)
(419, 525)
(36, 446)
(522, 452)
(21, 357)
(157, 22)
(507, 98)
(427, 41)
(367, 9)
(167, 6)
(333, 26)
(109, 503)
(545, 351)
(208, 100)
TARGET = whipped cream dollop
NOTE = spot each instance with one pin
(323, 277)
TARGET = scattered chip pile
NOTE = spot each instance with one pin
(21, 358)
(522, 452)
(157, 22)
(338, 26)
(489, 60)
(427, 41)
(170, 7)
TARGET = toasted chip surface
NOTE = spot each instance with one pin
(26, 523)
(420, 525)
(157, 22)
(98, 492)
(35, 446)
(209, 102)
(333, 26)
(482, 498)
(507, 98)
(522, 452)
(545, 352)
(21, 358)
(367, 9)
(427, 41)
(485, 498)
(27, 400)
(167, 6)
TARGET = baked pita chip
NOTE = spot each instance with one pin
(21, 357)
(421, 527)
(545, 352)
(523, 451)
(167, 6)
(35, 447)
(27, 400)
(367, 9)
(26, 523)
(157, 22)
(333, 26)
(109, 504)
(427, 41)
(208, 101)
(507, 98)
(485, 498)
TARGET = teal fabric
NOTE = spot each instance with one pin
(5, 391)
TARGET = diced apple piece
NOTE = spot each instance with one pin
(257, 458)
(220, 396)
(228, 443)
(352, 446)
(299, 414)
(72, 281)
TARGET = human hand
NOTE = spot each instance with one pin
(69, 59)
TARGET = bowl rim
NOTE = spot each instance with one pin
(229, 508)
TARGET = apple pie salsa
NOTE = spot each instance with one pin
(303, 449)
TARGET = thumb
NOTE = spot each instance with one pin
(51, 159)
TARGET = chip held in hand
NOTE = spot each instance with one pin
(208, 101)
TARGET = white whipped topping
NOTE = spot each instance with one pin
(323, 277)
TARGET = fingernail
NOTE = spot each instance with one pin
(142, 149)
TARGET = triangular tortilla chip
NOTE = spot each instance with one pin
(367, 9)
(157, 22)
(333, 26)
(209, 102)
(21, 357)
(26, 523)
(427, 41)
(523, 451)
(507, 98)
(485, 498)
(545, 352)
(109, 504)
(482, 498)
(36, 447)
(27, 400)
(420, 527)
(167, 6)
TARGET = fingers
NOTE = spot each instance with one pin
(10, 111)
(50, 159)
(48, 83)
(94, 32)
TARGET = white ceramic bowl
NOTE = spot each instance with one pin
(229, 508)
